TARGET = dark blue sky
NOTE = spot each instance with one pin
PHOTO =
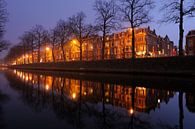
(24, 14)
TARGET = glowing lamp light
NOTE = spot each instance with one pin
(158, 100)
(131, 111)
(74, 95)
(47, 87)
(91, 47)
(26, 78)
(85, 93)
(74, 41)
(47, 48)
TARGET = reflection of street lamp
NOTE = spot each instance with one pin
(74, 95)
(131, 111)
(47, 87)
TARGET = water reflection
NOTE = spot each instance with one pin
(88, 104)
(3, 99)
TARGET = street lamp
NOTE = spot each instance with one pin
(74, 41)
(46, 50)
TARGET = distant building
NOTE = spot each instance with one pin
(190, 43)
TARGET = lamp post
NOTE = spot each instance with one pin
(74, 43)
(46, 50)
(27, 57)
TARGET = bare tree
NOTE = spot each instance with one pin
(80, 29)
(175, 11)
(53, 40)
(4, 45)
(106, 19)
(136, 12)
(62, 35)
(40, 37)
(3, 18)
(14, 52)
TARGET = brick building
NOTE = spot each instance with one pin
(190, 43)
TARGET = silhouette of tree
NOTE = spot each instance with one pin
(3, 19)
(106, 19)
(80, 30)
(136, 12)
(53, 40)
(175, 11)
(27, 42)
(41, 37)
(61, 35)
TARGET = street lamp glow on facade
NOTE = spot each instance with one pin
(47, 48)
(74, 41)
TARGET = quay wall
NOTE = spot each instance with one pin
(165, 65)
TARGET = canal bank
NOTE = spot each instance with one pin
(181, 66)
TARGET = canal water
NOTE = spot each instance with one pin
(53, 100)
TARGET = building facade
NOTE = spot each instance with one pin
(190, 43)
(117, 46)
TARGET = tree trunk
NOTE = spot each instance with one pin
(181, 113)
(81, 56)
(39, 52)
(103, 41)
(53, 56)
(63, 53)
(24, 53)
(133, 42)
(32, 54)
(181, 30)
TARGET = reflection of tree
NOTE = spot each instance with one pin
(95, 102)
(181, 113)
(3, 99)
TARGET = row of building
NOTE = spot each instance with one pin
(117, 46)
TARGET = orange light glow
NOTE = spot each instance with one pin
(26, 78)
(131, 111)
(74, 41)
(47, 48)
(47, 87)
(74, 95)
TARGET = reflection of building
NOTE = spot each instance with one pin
(145, 99)
(190, 43)
(190, 102)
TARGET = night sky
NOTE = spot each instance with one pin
(24, 14)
